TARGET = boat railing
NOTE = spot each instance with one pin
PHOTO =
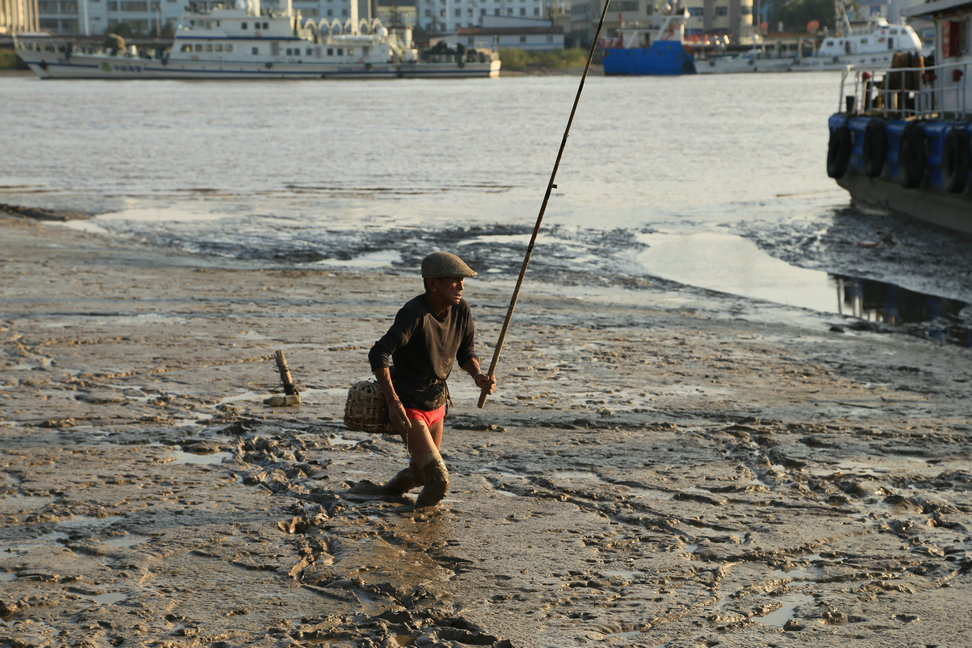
(936, 91)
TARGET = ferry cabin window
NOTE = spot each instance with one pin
(256, 50)
(198, 47)
(219, 47)
(229, 47)
(310, 51)
(209, 47)
(187, 47)
(243, 26)
(330, 51)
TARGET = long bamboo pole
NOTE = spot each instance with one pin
(543, 208)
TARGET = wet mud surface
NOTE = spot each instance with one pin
(680, 472)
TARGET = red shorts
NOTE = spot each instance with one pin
(430, 418)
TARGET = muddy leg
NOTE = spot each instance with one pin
(405, 480)
(436, 482)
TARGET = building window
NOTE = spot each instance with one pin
(722, 11)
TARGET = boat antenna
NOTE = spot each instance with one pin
(543, 207)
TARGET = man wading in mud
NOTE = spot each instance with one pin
(430, 333)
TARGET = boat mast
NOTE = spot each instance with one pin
(842, 20)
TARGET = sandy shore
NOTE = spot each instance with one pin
(692, 470)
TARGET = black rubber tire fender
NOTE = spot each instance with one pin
(838, 151)
(874, 148)
(955, 160)
(911, 155)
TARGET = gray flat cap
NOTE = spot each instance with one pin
(445, 264)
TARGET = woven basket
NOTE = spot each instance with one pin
(366, 410)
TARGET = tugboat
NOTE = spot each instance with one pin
(900, 139)
(656, 51)
(251, 42)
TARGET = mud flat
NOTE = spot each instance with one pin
(685, 471)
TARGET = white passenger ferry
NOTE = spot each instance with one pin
(874, 44)
(252, 42)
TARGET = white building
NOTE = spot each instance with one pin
(450, 15)
(714, 17)
(502, 32)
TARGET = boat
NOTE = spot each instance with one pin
(659, 50)
(873, 44)
(248, 41)
(899, 141)
(757, 59)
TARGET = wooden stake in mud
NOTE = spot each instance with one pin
(291, 397)
(543, 207)
(290, 388)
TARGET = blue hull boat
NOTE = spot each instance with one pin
(661, 58)
(643, 52)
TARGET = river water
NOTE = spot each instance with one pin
(716, 182)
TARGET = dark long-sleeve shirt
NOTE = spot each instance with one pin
(421, 348)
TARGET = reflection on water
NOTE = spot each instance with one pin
(877, 301)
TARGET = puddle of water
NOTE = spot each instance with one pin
(572, 475)
(780, 616)
(735, 265)
(338, 440)
(183, 457)
(108, 598)
(249, 396)
(125, 541)
(20, 503)
(86, 521)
